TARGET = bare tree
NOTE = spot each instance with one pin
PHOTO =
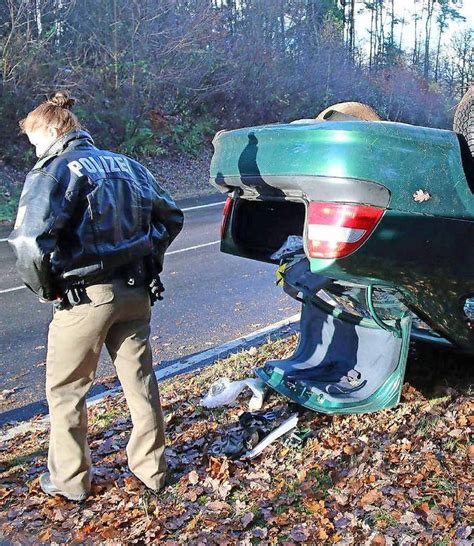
(135, 64)
(447, 13)
(429, 7)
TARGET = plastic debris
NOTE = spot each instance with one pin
(298, 438)
(285, 427)
(294, 244)
(224, 392)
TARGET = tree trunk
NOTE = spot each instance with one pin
(429, 18)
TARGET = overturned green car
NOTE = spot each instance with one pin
(371, 224)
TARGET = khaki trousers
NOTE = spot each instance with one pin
(118, 316)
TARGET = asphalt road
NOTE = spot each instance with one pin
(210, 298)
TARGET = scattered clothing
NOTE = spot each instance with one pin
(255, 432)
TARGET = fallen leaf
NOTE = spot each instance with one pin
(247, 519)
(470, 451)
(218, 506)
(420, 196)
(369, 498)
(193, 477)
(299, 534)
(323, 535)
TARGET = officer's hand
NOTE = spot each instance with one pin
(54, 300)
(50, 296)
(156, 288)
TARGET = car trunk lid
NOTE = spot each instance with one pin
(340, 365)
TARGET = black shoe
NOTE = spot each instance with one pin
(50, 489)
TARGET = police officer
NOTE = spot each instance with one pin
(90, 235)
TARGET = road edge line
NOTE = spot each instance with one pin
(208, 205)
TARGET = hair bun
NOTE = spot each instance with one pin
(62, 99)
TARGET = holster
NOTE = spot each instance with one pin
(154, 285)
(71, 297)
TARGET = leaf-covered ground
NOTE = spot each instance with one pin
(400, 476)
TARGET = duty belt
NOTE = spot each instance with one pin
(74, 293)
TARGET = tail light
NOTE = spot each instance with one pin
(336, 230)
(225, 214)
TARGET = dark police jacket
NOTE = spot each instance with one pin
(84, 212)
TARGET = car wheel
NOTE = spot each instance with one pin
(464, 118)
(356, 109)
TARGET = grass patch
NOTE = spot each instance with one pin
(384, 517)
(8, 208)
(104, 419)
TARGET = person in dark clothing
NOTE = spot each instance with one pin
(90, 236)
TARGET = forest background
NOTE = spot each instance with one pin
(155, 78)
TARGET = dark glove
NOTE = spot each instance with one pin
(156, 288)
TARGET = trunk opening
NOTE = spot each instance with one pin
(260, 228)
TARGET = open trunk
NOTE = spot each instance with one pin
(260, 228)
